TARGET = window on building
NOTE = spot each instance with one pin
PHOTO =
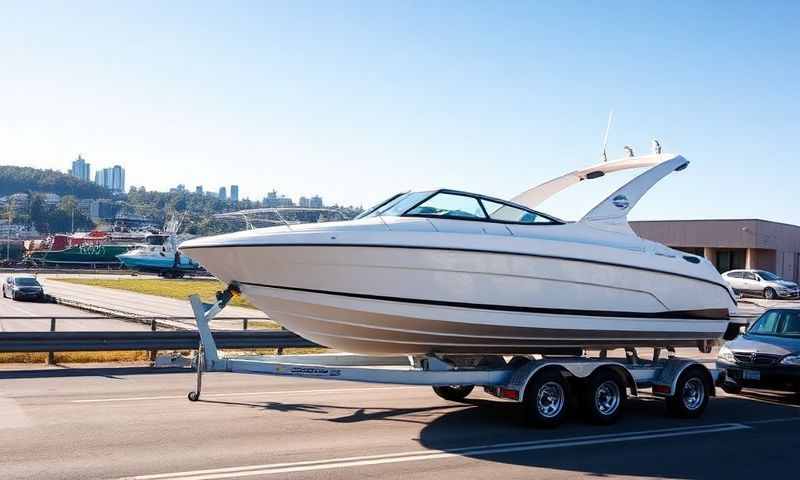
(730, 259)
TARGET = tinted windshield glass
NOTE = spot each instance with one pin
(791, 324)
(767, 275)
(155, 240)
(399, 205)
(370, 210)
(506, 213)
(26, 282)
(766, 325)
(449, 205)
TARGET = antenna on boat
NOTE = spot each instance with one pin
(605, 138)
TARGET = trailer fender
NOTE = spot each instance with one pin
(576, 369)
(667, 381)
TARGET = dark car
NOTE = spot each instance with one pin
(766, 356)
(18, 287)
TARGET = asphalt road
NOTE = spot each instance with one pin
(117, 423)
(138, 304)
(24, 310)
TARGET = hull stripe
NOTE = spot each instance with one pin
(707, 314)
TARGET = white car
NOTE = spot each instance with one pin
(761, 283)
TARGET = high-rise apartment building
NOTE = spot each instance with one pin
(80, 168)
(112, 178)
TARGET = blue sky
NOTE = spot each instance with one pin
(358, 100)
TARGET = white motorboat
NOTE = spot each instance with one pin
(159, 254)
(452, 272)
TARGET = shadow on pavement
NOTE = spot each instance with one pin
(352, 414)
(726, 454)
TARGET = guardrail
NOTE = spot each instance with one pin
(154, 322)
(154, 340)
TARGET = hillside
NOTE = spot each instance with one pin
(27, 179)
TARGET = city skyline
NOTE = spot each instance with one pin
(392, 97)
(113, 178)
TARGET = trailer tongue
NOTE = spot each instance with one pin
(546, 386)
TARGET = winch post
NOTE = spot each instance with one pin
(203, 314)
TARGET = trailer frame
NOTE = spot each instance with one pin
(537, 383)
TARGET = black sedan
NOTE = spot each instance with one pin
(766, 356)
(19, 287)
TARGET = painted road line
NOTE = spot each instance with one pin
(240, 394)
(422, 455)
(773, 420)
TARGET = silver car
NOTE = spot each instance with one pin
(23, 287)
(761, 283)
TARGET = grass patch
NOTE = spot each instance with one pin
(76, 357)
(177, 288)
(291, 351)
(262, 325)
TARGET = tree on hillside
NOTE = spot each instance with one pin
(38, 214)
(27, 179)
(68, 203)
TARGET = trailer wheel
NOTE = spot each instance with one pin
(454, 393)
(691, 394)
(546, 399)
(193, 396)
(604, 396)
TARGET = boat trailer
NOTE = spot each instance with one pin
(547, 387)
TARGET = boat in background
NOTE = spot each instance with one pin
(455, 273)
(159, 254)
(84, 249)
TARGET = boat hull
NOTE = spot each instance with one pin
(80, 255)
(392, 299)
(156, 264)
(382, 327)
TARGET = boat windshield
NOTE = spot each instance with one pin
(396, 205)
(466, 206)
(155, 239)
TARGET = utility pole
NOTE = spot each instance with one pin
(8, 233)
(73, 219)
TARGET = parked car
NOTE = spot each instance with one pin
(767, 355)
(761, 283)
(22, 287)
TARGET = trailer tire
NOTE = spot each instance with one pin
(454, 393)
(193, 396)
(546, 399)
(604, 396)
(691, 395)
